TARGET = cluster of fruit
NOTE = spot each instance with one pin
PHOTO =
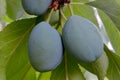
(80, 37)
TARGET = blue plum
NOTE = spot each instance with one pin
(45, 47)
(82, 39)
(36, 7)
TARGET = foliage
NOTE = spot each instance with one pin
(14, 62)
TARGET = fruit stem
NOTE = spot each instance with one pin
(60, 20)
(66, 66)
(50, 15)
(61, 12)
(71, 10)
(77, 3)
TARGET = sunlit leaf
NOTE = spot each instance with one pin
(110, 7)
(112, 31)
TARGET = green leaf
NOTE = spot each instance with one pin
(110, 7)
(13, 50)
(114, 65)
(68, 70)
(81, 10)
(29, 75)
(14, 9)
(118, 1)
(112, 31)
(2, 68)
(99, 67)
(44, 76)
(59, 70)
(110, 21)
(2, 8)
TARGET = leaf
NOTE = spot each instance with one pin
(81, 10)
(68, 70)
(110, 7)
(2, 8)
(112, 31)
(113, 72)
(13, 50)
(2, 68)
(14, 9)
(30, 75)
(44, 76)
(59, 70)
(99, 67)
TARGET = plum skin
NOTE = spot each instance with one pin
(36, 7)
(82, 39)
(45, 47)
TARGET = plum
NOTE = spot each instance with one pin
(82, 39)
(36, 7)
(45, 47)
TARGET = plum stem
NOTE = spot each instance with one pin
(50, 15)
(71, 10)
(61, 12)
(66, 66)
(77, 3)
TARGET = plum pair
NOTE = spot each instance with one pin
(81, 38)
